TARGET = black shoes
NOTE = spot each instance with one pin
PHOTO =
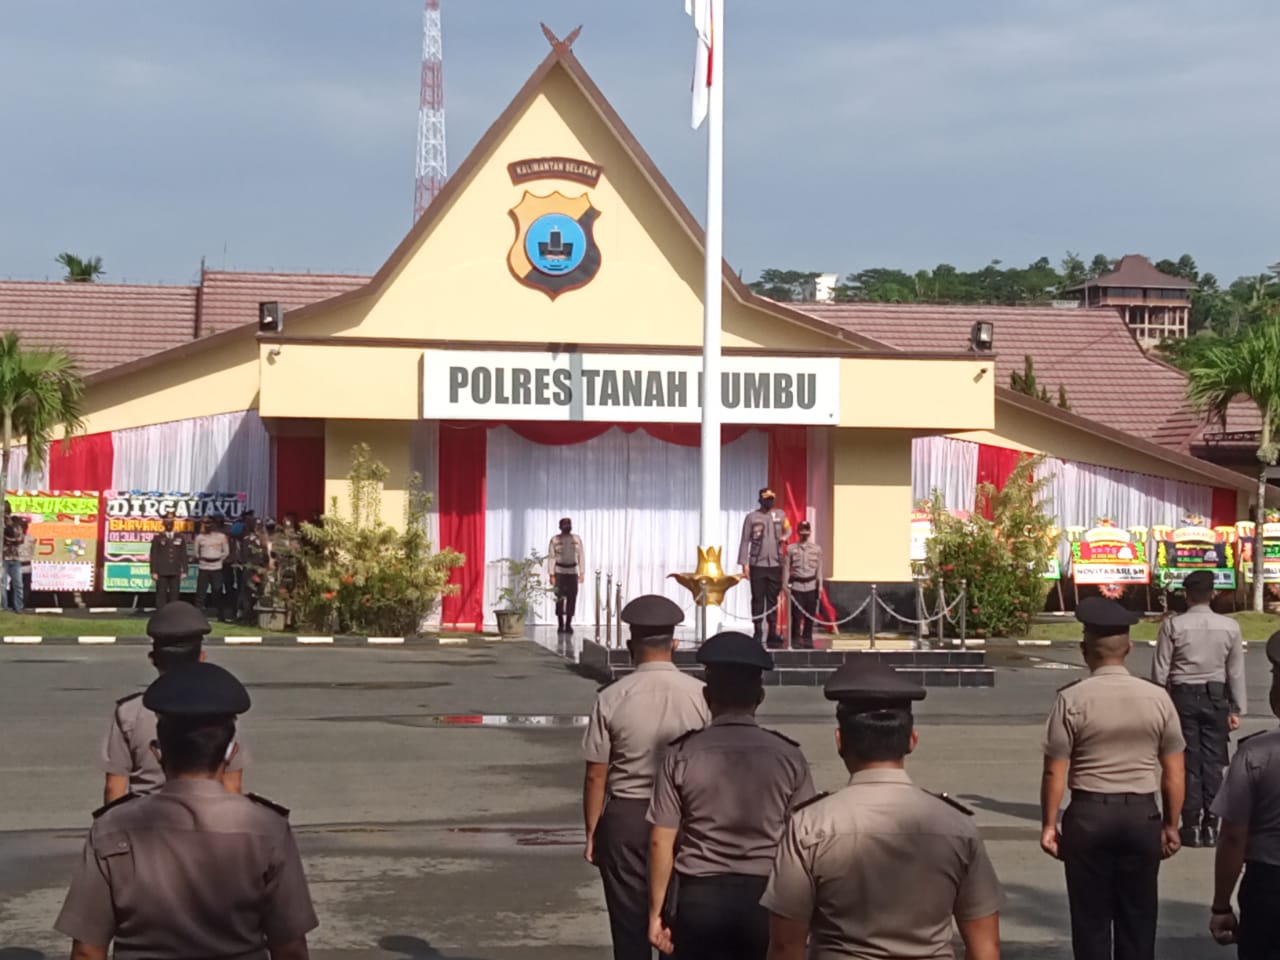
(1190, 836)
(1209, 832)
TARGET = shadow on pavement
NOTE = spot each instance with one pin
(411, 948)
(1023, 811)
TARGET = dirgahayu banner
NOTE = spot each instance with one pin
(625, 388)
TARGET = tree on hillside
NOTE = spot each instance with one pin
(783, 285)
(1100, 264)
(1245, 366)
(1073, 271)
(81, 270)
(40, 391)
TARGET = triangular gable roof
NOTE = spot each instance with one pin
(562, 57)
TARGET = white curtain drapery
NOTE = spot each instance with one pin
(1083, 493)
(633, 500)
(946, 465)
(228, 453)
(19, 479)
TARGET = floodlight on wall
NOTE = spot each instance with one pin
(982, 335)
(270, 318)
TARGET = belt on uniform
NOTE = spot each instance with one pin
(1088, 796)
(561, 566)
(803, 579)
(1213, 686)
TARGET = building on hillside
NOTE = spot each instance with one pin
(1156, 306)
(570, 387)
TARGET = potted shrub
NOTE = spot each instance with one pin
(525, 585)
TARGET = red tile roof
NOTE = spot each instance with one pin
(100, 324)
(104, 325)
(1135, 270)
(229, 299)
(1089, 351)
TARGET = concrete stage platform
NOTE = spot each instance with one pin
(811, 668)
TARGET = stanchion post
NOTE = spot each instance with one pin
(618, 606)
(942, 605)
(702, 614)
(922, 610)
(597, 605)
(874, 604)
(608, 609)
(964, 614)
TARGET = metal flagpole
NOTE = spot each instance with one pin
(713, 286)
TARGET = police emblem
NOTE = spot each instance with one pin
(554, 250)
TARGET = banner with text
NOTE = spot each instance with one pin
(1107, 555)
(1190, 548)
(64, 525)
(134, 519)
(625, 388)
(1270, 551)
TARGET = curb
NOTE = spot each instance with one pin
(250, 640)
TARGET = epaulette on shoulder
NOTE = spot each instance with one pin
(1068, 686)
(685, 736)
(123, 700)
(780, 736)
(810, 802)
(269, 804)
(114, 803)
(951, 801)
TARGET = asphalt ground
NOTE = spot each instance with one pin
(425, 837)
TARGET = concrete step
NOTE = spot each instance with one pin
(811, 668)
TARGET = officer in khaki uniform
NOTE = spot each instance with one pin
(566, 571)
(1115, 740)
(129, 759)
(802, 583)
(726, 790)
(1249, 805)
(881, 868)
(190, 871)
(1199, 659)
(631, 724)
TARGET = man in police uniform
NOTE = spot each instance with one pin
(631, 724)
(882, 867)
(764, 534)
(1200, 660)
(190, 871)
(726, 790)
(802, 583)
(1249, 805)
(1114, 739)
(566, 569)
(177, 638)
(168, 562)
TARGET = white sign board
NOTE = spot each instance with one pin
(625, 388)
(1103, 573)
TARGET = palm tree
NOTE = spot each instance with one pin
(81, 271)
(1245, 366)
(40, 391)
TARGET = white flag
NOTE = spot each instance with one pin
(704, 21)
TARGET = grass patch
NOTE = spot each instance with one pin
(1256, 628)
(86, 624)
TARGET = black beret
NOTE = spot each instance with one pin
(1198, 580)
(177, 621)
(651, 616)
(1104, 614)
(864, 684)
(1273, 649)
(734, 649)
(196, 690)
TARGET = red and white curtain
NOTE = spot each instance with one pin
(230, 451)
(1077, 494)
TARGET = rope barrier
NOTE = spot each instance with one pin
(832, 623)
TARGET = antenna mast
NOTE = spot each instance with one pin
(432, 168)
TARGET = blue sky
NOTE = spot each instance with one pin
(279, 134)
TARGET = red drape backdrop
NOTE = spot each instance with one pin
(299, 476)
(1223, 513)
(87, 465)
(995, 466)
(463, 468)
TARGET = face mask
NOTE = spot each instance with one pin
(237, 529)
(566, 529)
(766, 504)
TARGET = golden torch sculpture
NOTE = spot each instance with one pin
(708, 584)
